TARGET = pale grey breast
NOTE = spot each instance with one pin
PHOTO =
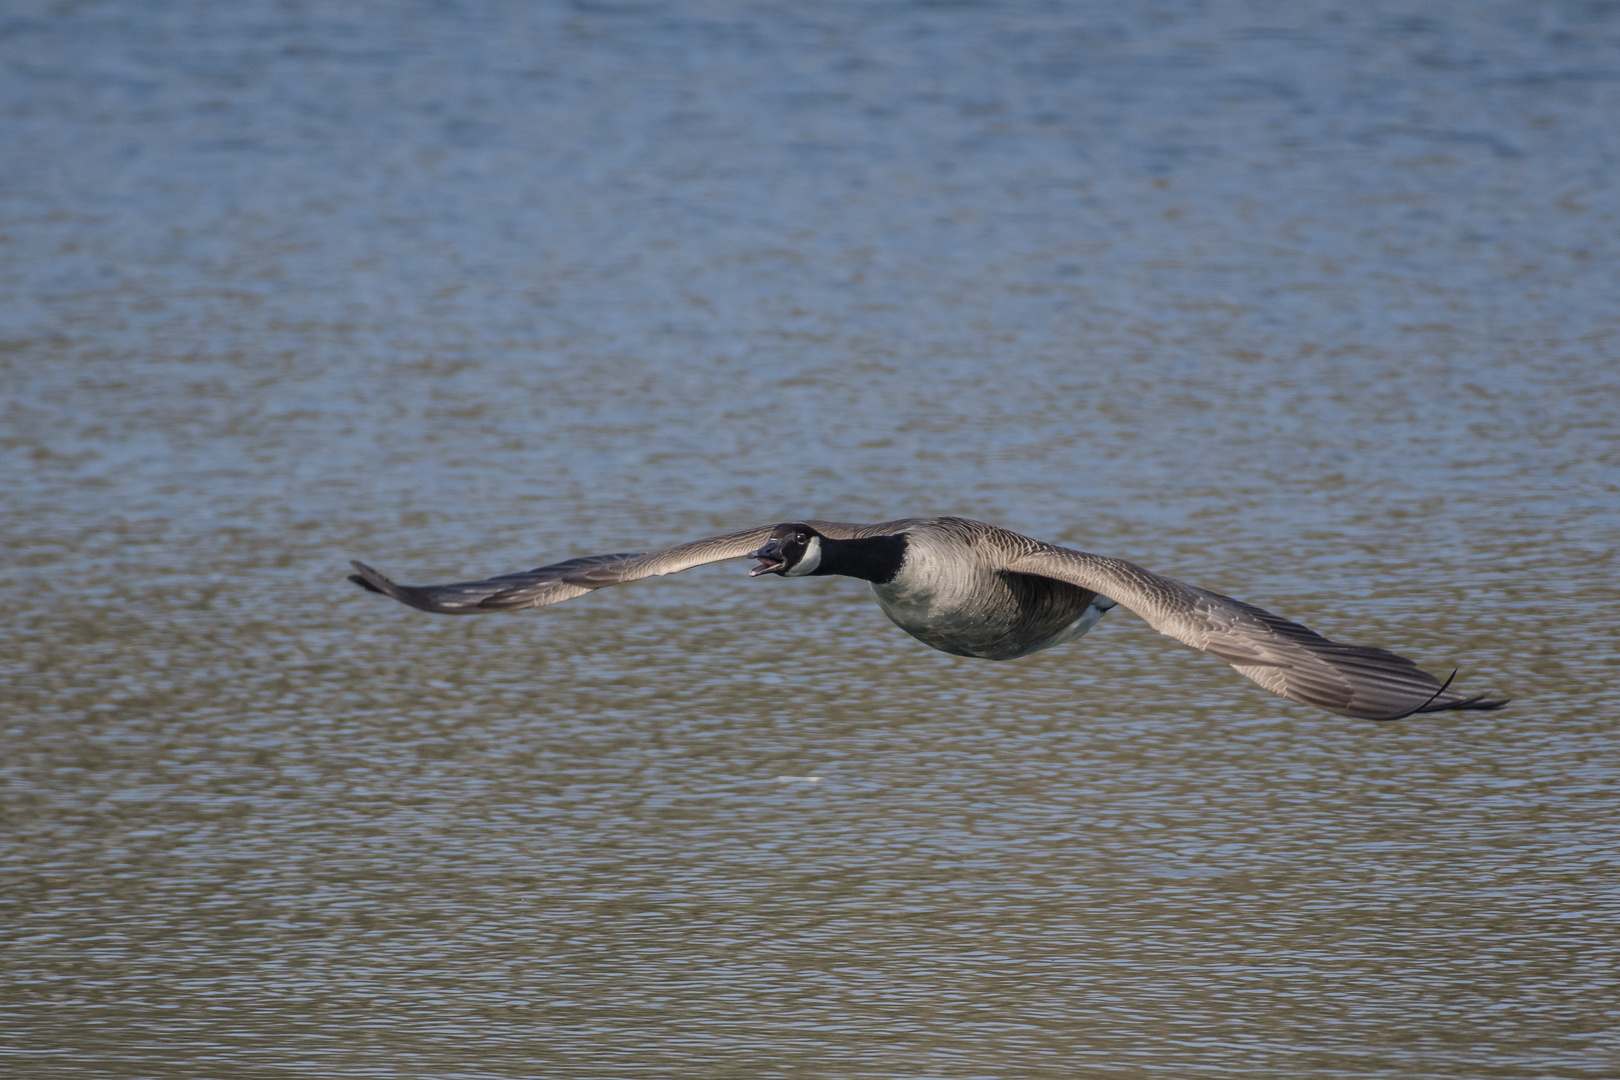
(952, 595)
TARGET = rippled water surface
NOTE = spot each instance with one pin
(1315, 304)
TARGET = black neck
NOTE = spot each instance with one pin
(876, 558)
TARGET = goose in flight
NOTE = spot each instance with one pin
(976, 590)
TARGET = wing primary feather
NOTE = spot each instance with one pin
(1426, 704)
(1279, 654)
(564, 580)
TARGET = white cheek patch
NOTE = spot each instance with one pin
(811, 560)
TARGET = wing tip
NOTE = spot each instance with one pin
(363, 575)
(1479, 702)
(374, 581)
(369, 579)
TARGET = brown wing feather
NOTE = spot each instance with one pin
(1282, 656)
(565, 580)
(505, 592)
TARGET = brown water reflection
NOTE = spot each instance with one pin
(1314, 307)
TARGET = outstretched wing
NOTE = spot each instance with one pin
(565, 580)
(1284, 657)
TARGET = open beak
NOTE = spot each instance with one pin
(770, 559)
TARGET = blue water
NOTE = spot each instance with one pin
(1311, 304)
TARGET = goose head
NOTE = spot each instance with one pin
(793, 550)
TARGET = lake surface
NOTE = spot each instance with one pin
(1313, 304)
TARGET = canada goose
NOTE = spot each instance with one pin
(976, 590)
